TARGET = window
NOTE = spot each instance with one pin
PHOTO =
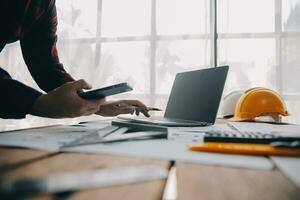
(260, 41)
(143, 42)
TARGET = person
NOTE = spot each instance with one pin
(34, 24)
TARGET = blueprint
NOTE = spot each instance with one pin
(47, 138)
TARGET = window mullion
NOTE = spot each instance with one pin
(153, 41)
(97, 55)
(278, 45)
(214, 34)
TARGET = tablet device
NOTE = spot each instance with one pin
(106, 91)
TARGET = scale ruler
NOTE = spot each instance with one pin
(83, 180)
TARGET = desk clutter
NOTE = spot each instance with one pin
(221, 144)
(147, 144)
(160, 142)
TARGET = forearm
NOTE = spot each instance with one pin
(64, 102)
(16, 99)
(45, 107)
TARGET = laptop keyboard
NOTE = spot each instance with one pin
(184, 121)
(170, 121)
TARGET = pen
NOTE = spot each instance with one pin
(139, 108)
(149, 108)
(154, 109)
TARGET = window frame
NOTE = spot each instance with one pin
(213, 36)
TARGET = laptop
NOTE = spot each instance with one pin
(194, 99)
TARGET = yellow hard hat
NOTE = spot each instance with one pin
(257, 102)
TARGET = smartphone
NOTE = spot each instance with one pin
(106, 91)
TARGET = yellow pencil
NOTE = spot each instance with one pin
(246, 149)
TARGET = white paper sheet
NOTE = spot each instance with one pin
(194, 134)
(49, 138)
(215, 127)
(290, 167)
(174, 150)
(266, 127)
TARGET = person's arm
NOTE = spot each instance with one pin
(16, 98)
(38, 45)
(64, 101)
(40, 52)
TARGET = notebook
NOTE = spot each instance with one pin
(194, 99)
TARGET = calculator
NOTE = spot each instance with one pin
(234, 136)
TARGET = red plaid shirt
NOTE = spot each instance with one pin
(34, 23)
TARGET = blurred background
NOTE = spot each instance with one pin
(146, 42)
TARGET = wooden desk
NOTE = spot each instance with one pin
(194, 181)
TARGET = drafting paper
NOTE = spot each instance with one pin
(174, 150)
(47, 138)
(215, 127)
(266, 127)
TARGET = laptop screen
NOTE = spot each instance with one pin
(196, 95)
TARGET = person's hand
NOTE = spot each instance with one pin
(64, 102)
(110, 109)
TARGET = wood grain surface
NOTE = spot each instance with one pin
(194, 181)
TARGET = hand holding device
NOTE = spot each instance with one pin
(106, 91)
(64, 102)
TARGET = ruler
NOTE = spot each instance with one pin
(83, 180)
